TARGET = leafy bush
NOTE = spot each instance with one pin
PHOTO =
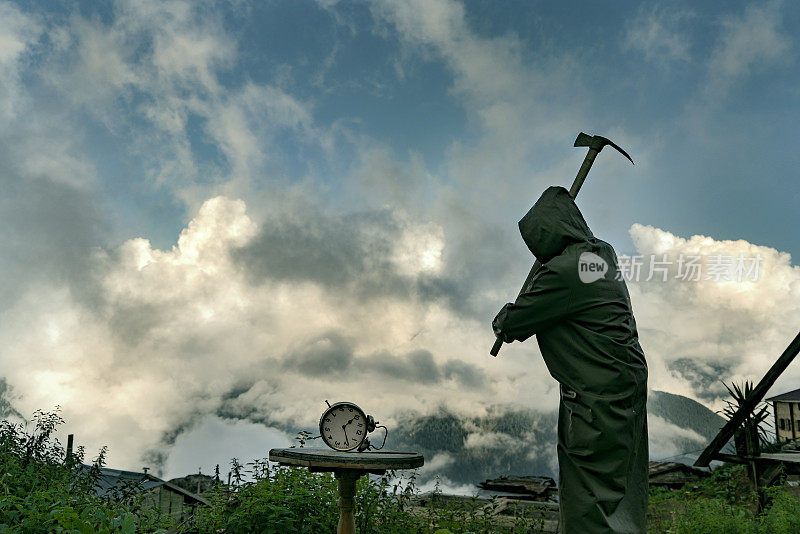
(724, 503)
(783, 512)
(283, 499)
(711, 516)
(41, 490)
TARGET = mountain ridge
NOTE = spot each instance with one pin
(522, 441)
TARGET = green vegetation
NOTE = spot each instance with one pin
(295, 500)
(724, 504)
(41, 490)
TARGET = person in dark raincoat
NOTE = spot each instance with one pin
(578, 307)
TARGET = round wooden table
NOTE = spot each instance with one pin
(347, 467)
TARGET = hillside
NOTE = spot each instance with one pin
(465, 450)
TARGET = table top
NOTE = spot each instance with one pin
(331, 459)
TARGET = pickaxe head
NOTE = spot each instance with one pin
(598, 142)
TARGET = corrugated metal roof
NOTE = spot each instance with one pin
(111, 480)
(791, 396)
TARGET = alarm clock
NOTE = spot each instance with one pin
(344, 427)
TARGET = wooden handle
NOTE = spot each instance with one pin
(496, 347)
(573, 191)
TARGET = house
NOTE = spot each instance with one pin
(169, 498)
(673, 474)
(786, 408)
(538, 488)
(198, 483)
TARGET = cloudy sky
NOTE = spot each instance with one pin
(218, 215)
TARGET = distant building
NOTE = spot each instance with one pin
(198, 483)
(537, 488)
(674, 475)
(786, 408)
(169, 498)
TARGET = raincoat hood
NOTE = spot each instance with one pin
(553, 223)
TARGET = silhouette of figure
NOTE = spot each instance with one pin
(578, 307)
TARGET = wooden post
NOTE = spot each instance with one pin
(70, 442)
(775, 413)
(347, 490)
(747, 407)
(751, 449)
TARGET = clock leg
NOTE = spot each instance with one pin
(347, 489)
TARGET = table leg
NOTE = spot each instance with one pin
(347, 489)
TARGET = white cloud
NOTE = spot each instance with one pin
(657, 33)
(40, 142)
(492, 440)
(153, 67)
(445, 485)
(748, 44)
(215, 441)
(668, 440)
(420, 249)
(250, 121)
(184, 327)
(703, 328)
(19, 32)
(513, 99)
(439, 462)
(177, 330)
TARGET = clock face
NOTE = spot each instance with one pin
(343, 426)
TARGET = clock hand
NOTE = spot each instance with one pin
(344, 427)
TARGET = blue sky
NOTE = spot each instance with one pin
(713, 129)
(187, 180)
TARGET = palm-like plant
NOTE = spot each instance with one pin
(755, 424)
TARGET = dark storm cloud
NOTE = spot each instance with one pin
(416, 366)
(325, 355)
(332, 354)
(467, 374)
(50, 232)
(420, 367)
(238, 403)
(334, 251)
(484, 255)
(156, 457)
(351, 252)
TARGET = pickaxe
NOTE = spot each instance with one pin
(595, 144)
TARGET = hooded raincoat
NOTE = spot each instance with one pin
(578, 307)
